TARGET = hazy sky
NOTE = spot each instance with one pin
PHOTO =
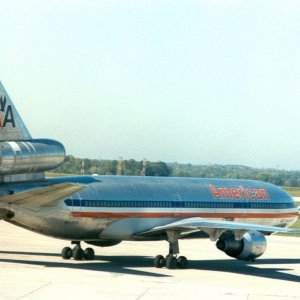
(188, 81)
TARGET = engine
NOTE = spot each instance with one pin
(252, 245)
(32, 156)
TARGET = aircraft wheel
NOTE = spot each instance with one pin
(159, 261)
(171, 262)
(66, 253)
(89, 254)
(182, 262)
(77, 253)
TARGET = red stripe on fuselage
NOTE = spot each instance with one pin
(180, 215)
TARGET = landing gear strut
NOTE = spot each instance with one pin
(77, 252)
(171, 261)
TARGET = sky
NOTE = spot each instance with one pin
(201, 82)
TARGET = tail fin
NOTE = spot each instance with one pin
(12, 127)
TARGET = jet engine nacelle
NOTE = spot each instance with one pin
(252, 245)
(32, 156)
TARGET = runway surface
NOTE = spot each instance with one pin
(31, 268)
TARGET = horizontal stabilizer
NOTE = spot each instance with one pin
(43, 197)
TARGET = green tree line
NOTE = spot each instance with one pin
(130, 167)
(133, 167)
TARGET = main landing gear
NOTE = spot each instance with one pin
(171, 261)
(78, 253)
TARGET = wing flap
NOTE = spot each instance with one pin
(193, 224)
(43, 197)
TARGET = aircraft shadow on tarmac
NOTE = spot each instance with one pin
(252, 268)
(128, 265)
(112, 264)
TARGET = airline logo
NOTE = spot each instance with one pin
(6, 113)
(239, 193)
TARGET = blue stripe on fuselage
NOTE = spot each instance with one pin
(181, 204)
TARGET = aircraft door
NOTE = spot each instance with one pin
(76, 203)
(177, 205)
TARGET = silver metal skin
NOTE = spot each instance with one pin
(254, 245)
(104, 210)
(21, 157)
(32, 156)
(89, 214)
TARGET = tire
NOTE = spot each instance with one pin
(171, 262)
(182, 262)
(89, 254)
(66, 253)
(159, 261)
(78, 254)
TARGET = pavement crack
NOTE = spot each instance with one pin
(143, 294)
(32, 292)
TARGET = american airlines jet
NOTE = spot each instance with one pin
(105, 210)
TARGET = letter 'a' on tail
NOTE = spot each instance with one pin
(12, 127)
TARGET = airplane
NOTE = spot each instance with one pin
(106, 210)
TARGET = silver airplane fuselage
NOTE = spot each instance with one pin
(104, 210)
(119, 207)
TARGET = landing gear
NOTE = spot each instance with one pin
(66, 253)
(89, 254)
(171, 261)
(159, 261)
(78, 253)
(182, 262)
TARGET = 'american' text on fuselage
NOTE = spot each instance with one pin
(239, 193)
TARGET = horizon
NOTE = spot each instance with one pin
(183, 163)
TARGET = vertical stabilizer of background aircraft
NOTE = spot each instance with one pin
(12, 127)
(21, 157)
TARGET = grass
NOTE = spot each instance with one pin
(294, 191)
(52, 174)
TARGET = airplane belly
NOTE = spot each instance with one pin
(125, 229)
(58, 223)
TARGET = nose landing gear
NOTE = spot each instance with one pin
(78, 253)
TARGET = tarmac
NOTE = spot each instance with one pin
(31, 268)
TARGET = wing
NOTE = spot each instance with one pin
(213, 227)
(43, 197)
